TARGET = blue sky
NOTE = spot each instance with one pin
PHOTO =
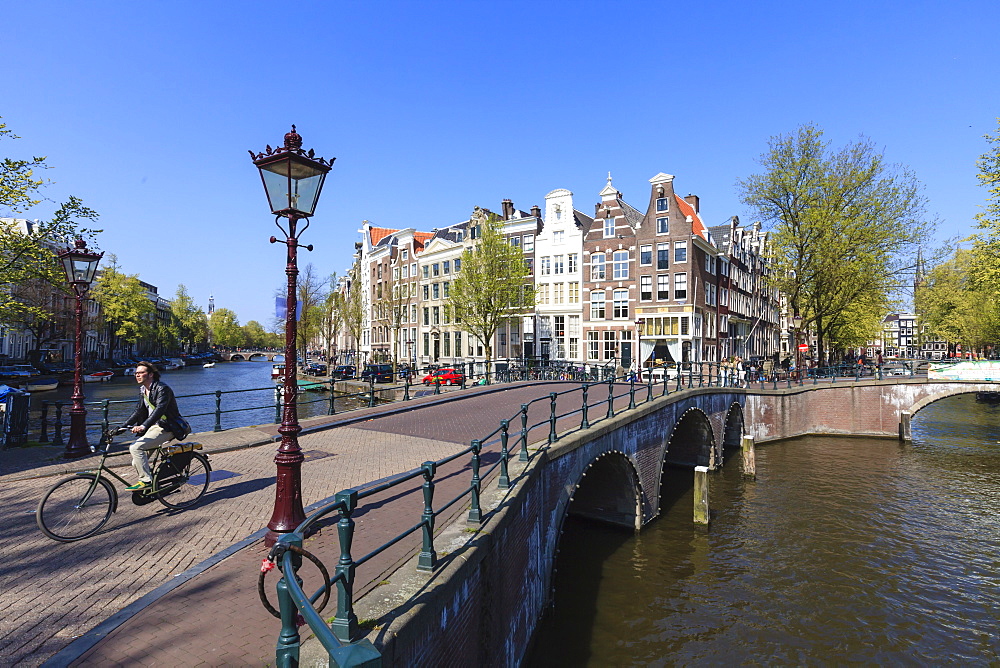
(146, 111)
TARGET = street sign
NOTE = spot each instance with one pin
(803, 347)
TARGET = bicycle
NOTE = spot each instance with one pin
(79, 506)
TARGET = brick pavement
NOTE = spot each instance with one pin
(54, 593)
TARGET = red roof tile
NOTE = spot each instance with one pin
(379, 233)
(697, 227)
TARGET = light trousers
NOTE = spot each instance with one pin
(151, 439)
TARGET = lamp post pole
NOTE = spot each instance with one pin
(293, 180)
(80, 266)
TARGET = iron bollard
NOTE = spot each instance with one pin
(57, 425)
(43, 437)
(524, 433)
(332, 410)
(345, 622)
(504, 481)
(631, 392)
(437, 385)
(584, 421)
(218, 411)
(428, 557)
(475, 512)
(649, 388)
(406, 390)
(552, 418)
(371, 390)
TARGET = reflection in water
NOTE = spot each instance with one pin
(842, 551)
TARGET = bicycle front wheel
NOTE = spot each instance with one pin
(76, 508)
(182, 481)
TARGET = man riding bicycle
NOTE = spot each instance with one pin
(149, 422)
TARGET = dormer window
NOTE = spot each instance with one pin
(661, 204)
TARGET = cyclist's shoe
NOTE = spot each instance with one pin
(139, 486)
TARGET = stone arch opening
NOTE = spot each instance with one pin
(690, 443)
(234, 358)
(609, 492)
(258, 357)
(732, 436)
(927, 401)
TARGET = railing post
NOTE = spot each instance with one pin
(57, 425)
(611, 397)
(701, 377)
(437, 385)
(552, 418)
(345, 622)
(105, 414)
(332, 410)
(428, 557)
(277, 404)
(218, 410)
(287, 651)
(371, 390)
(666, 381)
(524, 433)
(475, 512)
(43, 437)
(406, 387)
(504, 481)
(584, 420)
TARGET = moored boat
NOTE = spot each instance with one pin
(98, 377)
(208, 365)
(277, 371)
(41, 384)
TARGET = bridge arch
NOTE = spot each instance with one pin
(691, 441)
(609, 491)
(732, 434)
(941, 394)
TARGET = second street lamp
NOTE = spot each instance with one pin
(293, 179)
(80, 266)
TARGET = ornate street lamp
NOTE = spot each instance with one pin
(293, 179)
(80, 266)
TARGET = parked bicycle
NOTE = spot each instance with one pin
(77, 507)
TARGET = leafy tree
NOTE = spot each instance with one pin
(126, 309)
(188, 323)
(953, 306)
(226, 330)
(254, 334)
(847, 226)
(333, 317)
(985, 265)
(354, 304)
(26, 250)
(311, 294)
(41, 308)
(490, 289)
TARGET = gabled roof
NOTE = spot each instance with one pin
(376, 234)
(582, 220)
(420, 239)
(632, 215)
(697, 227)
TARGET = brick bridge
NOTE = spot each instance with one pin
(611, 472)
(241, 355)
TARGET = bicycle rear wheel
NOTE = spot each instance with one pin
(76, 508)
(182, 481)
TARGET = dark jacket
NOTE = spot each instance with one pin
(164, 406)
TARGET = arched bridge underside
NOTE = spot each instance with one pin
(254, 355)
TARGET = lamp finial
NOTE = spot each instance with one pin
(293, 140)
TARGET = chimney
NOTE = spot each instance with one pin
(535, 211)
(694, 201)
(507, 207)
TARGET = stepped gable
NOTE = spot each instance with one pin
(697, 227)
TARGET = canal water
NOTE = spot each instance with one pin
(842, 551)
(248, 397)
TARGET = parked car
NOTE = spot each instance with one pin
(316, 369)
(381, 372)
(444, 376)
(344, 372)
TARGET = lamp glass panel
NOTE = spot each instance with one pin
(300, 193)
